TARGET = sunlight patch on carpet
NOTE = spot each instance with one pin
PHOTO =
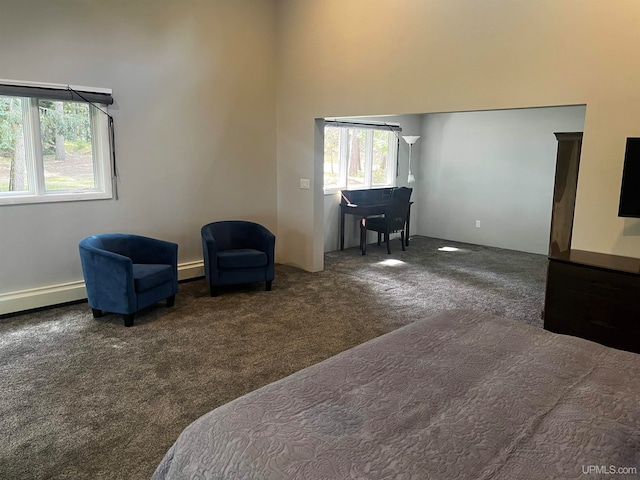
(391, 262)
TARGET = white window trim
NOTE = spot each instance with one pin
(392, 173)
(101, 162)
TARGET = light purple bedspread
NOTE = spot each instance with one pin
(462, 395)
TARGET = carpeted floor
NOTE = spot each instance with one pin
(89, 399)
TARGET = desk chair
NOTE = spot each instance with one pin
(394, 219)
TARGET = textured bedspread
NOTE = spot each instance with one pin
(462, 395)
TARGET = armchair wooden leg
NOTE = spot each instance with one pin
(171, 301)
(402, 239)
(128, 320)
(96, 313)
(267, 286)
(214, 291)
(379, 238)
(387, 235)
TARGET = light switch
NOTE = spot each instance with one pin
(304, 183)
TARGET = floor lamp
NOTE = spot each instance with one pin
(410, 139)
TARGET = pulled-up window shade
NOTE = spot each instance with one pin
(369, 125)
(55, 92)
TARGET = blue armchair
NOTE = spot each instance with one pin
(237, 252)
(125, 273)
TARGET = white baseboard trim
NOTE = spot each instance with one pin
(50, 295)
(191, 270)
(41, 297)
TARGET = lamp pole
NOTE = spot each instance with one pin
(410, 139)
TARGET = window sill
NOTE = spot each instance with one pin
(54, 198)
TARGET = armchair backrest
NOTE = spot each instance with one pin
(398, 208)
(119, 243)
(138, 248)
(235, 234)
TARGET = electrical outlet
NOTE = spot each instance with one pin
(304, 183)
(477, 223)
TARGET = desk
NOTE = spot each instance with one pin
(364, 211)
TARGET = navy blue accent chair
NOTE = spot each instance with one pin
(393, 220)
(125, 273)
(237, 252)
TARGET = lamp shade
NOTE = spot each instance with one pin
(411, 139)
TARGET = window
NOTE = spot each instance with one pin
(358, 158)
(53, 150)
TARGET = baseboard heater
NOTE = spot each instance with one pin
(51, 295)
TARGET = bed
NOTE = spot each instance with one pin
(460, 395)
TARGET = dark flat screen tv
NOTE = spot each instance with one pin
(630, 189)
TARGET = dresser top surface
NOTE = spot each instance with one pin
(599, 260)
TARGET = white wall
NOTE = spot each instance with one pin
(497, 167)
(374, 57)
(194, 89)
(217, 60)
(410, 125)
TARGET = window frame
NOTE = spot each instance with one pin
(101, 153)
(343, 155)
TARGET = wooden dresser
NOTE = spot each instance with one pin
(594, 296)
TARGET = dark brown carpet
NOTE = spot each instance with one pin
(89, 399)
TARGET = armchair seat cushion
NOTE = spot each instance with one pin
(148, 275)
(242, 258)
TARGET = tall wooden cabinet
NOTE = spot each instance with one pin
(564, 191)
